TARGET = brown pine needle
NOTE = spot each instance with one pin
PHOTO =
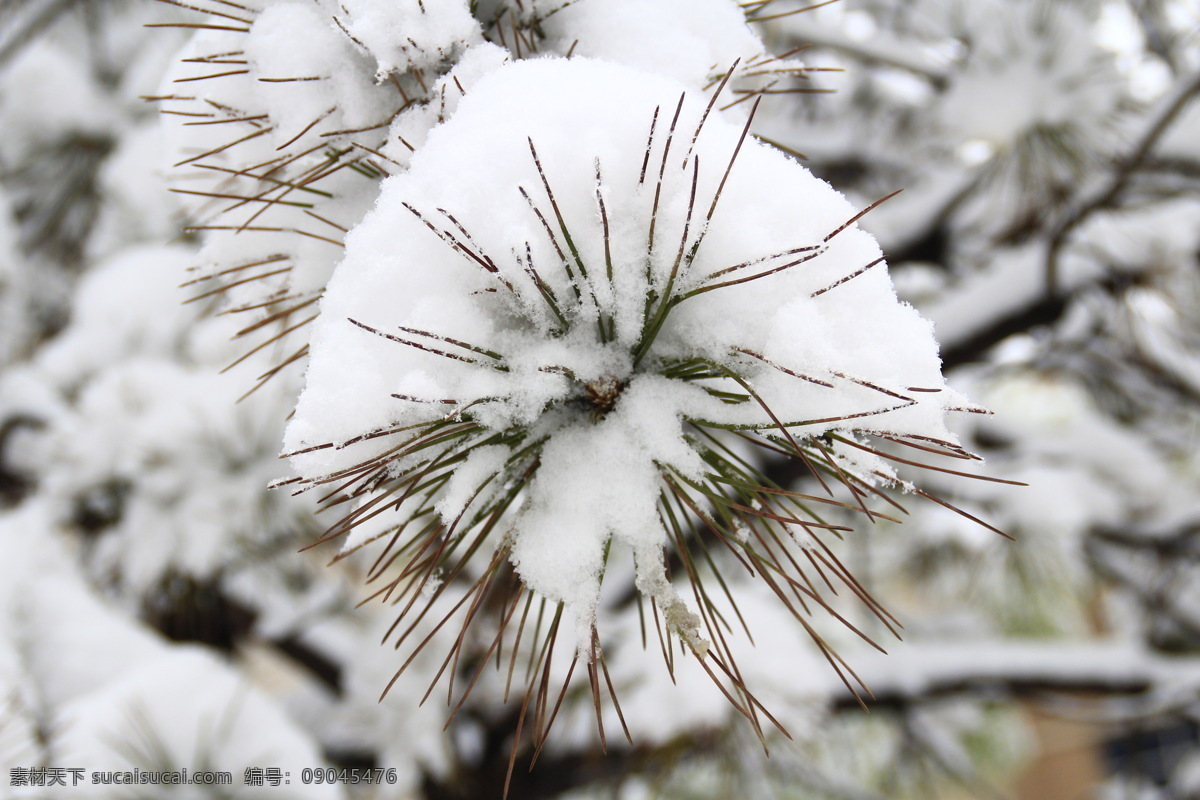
(848, 278)
(891, 457)
(219, 121)
(229, 286)
(306, 128)
(195, 25)
(732, 158)
(269, 342)
(223, 147)
(206, 11)
(242, 198)
(862, 214)
(275, 317)
(213, 75)
(792, 12)
(265, 229)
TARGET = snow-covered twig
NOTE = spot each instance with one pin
(919, 673)
(1108, 189)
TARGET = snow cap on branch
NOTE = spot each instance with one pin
(571, 302)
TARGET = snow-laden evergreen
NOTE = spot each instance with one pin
(155, 610)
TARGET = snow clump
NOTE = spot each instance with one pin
(553, 332)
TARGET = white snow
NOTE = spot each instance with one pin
(410, 33)
(817, 341)
(688, 40)
(305, 69)
(185, 709)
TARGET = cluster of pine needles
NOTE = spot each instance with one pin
(274, 204)
(293, 196)
(736, 517)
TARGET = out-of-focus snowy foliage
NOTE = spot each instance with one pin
(470, 220)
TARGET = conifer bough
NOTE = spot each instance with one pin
(572, 336)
